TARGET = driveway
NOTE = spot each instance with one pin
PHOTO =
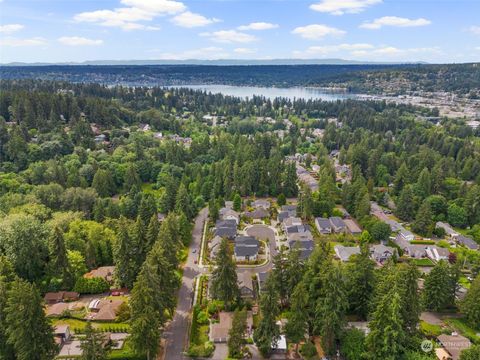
(176, 333)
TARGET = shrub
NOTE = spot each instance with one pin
(94, 285)
(308, 350)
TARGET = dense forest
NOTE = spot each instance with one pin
(83, 181)
(461, 78)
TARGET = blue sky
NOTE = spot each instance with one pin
(370, 30)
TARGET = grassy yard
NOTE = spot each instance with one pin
(125, 354)
(80, 325)
(430, 330)
(465, 329)
(423, 262)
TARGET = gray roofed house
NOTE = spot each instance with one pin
(226, 223)
(261, 203)
(297, 229)
(454, 344)
(282, 215)
(323, 225)
(245, 284)
(290, 208)
(448, 229)
(292, 221)
(345, 252)
(338, 225)
(259, 213)
(436, 253)
(406, 234)
(226, 232)
(381, 253)
(416, 251)
(214, 246)
(401, 242)
(261, 278)
(468, 242)
(229, 214)
(246, 248)
(301, 244)
(352, 227)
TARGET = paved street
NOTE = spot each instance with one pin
(176, 333)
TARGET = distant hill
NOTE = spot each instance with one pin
(219, 62)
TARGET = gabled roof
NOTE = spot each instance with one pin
(345, 252)
(448, 229)
(297, 229)
(259, 213)
(226, 232)
(229, 223)
(246, 241)
(289, 208)
(292, 221)
(337, 222)
(468, 242)
(301, 245)
(243, 251)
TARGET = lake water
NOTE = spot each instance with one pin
(273, 92)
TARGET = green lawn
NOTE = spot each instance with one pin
(125, 354)
(423, 262)
(465, 329)
(80, 324)
(430, 330)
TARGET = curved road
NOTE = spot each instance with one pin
(176, 333)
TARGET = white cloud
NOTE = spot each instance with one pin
(474, 30)
(244, 51)
(190, 20)
(128, 18)
(317, 31)
(340, 7)
(157, 6)
(15, 42)
(206, 53)
(313, 51)
(10, 28)
(394, 21)
(229, 36)
(258, 26)
(78, 41)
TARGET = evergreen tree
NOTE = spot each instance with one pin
(472, 353)
(103, 183)
(224, 276)
(183, 202)
(401, 179)
(331, 309)
(290, 188)
(185, 229)
(437, 292)
(423, 223)
(405, 205)
(147, 209)
(7, 276)
(470, 305)
(145, 323)
(125, 254)
(237, 203)
(25, 316)
(297, 325)
(152, 232)
(131, 177)
(58, 256)
(387, 337)
(423, 186)
(281, 199)
(267, 333)
(361, 282)
(237, 333)
(92, 344)
(407, 278)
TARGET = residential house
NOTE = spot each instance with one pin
(219, 331)
(407, 235)
(61, 296)
(246, 248)
(229, 214)
(105, 272)
(381, 253)
(401, 242)
(297, 229)
(287, 211)
(230, 223)
(214, 246)
(62, 334)
(291, 221)
(323, 225)
(452, 234)
(454, 344)
(344, 253)
(467, 242)
(416, 251)
(261, 278)
(104, 309)
(245, 284)
(352, 227)
(338, 225)
(305, 246)
(226, 232)
(436, 253)
(258, 214)
(261, 203)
